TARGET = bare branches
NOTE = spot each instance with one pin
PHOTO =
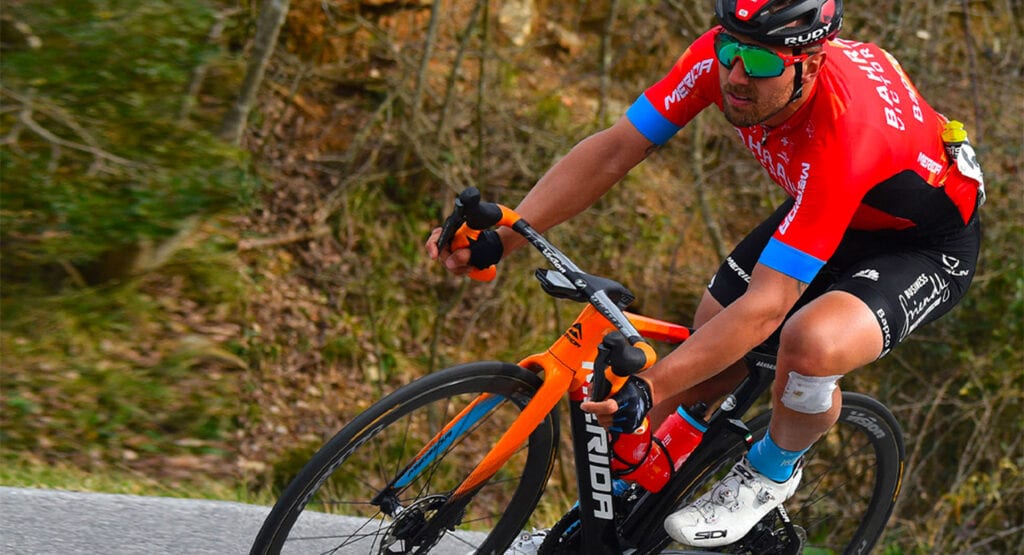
(467, 34)
(606, 63)
(29, 106)
(199, 72)
(272, 16)
(284, 238)
(428, 49)
(965, 15)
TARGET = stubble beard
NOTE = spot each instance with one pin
(761, 108)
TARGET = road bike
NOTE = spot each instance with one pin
(471, 448)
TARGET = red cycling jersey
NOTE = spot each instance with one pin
(864, 152)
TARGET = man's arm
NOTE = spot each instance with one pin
(722, 340)
(580, 178)
(729, 335)
(574, 183)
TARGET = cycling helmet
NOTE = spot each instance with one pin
(792, 23)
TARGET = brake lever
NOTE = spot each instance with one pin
(465, 201)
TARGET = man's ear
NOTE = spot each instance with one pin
(812, 66)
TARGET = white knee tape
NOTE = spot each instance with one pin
(809, 394)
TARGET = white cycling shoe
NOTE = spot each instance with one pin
(528, 543)
(731, 508)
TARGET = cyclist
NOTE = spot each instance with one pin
(879, 235)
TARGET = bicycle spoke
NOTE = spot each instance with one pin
(396, 469)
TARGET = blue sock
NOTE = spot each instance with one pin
(773, 461)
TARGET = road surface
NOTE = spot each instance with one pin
(43, 522)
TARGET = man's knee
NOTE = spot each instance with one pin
(810, 350)
(812, 360)
(832, 335)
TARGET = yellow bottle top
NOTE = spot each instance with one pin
(954, 132)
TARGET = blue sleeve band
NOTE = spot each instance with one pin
(790, 261)
(650, 122)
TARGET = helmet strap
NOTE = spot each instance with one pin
(798, 74)
(798, 87)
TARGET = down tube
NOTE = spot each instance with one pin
(556, 383)
(465, 420)
(592, 452)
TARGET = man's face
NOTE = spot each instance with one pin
(749, 100)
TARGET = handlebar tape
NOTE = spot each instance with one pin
(461, 241)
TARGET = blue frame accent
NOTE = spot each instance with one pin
(447, 440)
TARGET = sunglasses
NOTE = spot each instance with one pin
(758, 61)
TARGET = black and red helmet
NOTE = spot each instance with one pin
(792, 23)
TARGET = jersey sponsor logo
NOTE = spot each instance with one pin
(883, 322)
(919, 300)
(929, 165)
(777, 169)
(685, 87)
(873, 275)
(895, 110)
(952, 266)
(736, 268)
(805, 170)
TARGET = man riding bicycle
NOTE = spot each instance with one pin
(879, 234)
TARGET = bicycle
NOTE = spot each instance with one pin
(471, 447)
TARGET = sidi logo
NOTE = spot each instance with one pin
(710, 534)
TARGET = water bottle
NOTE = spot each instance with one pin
(961, 154)
(650, 460)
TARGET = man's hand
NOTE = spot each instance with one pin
(484, 251)
(455, 262)
(623, 412)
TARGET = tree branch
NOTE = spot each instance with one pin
(284, 238)
(272, 16)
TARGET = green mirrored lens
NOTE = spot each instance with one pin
(757, 61)
(760, 62)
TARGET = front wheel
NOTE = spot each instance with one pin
(392, 470)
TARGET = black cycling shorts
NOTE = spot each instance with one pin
(906, 282)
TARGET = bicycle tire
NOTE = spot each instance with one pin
(367, 454)
(851, 480)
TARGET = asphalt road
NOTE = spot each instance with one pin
(42, 522)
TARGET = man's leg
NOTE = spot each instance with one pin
(823, 341)
(831, 336)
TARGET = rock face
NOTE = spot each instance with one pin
(516, 20)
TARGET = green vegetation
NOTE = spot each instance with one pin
(171, 326)
(112, 246)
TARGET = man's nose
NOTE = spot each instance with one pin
(738, 73)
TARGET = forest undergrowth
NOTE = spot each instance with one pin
(201, 315)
